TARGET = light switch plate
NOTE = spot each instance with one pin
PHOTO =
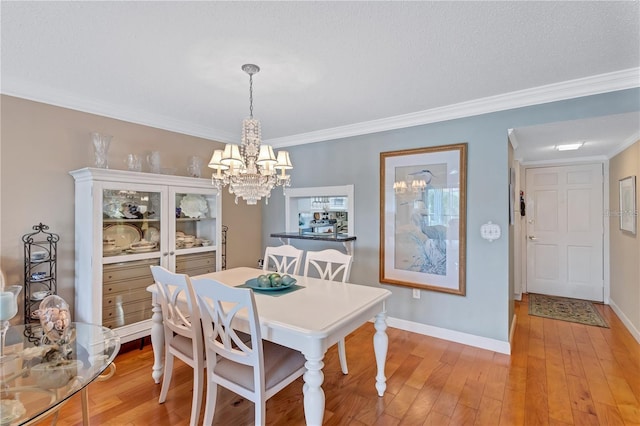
(490, 231)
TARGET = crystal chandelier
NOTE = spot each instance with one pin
(251, 169)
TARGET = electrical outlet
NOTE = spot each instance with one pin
(416, 293)
(260, 263)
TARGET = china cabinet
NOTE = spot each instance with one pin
(40, 260)
(126, 222)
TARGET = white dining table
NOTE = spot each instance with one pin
(310, 320)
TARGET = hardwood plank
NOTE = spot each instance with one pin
(572, 362)
(536, 347)
(626, 401)
(608, 414)
(463, 415)
(559, 401)
(421, 407)
(567, 341)
(421, 372)
(496, 382)
(592, 369)
(600, 392)
(536, 403)
(513, 409)
(585, 419)
(396, 381)
(436, 419)
(403, 400)
(488, 412)
(471, 394)
(580, 395)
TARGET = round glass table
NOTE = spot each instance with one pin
(37, 376)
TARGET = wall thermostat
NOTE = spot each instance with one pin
(490, 231)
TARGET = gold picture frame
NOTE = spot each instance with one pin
(423, 215)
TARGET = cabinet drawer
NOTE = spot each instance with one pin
(128, 270)
(195, 261)
(125, 286)
(127, 313)
(116, 299)
(126, 319)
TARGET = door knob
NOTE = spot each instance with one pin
(532, 238)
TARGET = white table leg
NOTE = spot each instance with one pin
(380, 345)
(312, 389)
(157, 339)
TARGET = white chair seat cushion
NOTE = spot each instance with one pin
(279, 363)
(182, 344)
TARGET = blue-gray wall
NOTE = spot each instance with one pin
(485, 309)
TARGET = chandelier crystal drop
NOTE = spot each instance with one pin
(250, 169)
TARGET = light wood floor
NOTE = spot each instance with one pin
(560, 373)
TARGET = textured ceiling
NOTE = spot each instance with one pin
(324, 64)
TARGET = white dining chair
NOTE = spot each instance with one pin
(255, 370)
(334, 266)
(286, 259)
(182, 333)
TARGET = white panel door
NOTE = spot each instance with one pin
(564, 215)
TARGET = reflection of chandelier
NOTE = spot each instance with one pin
(416, 185)
(250, 170)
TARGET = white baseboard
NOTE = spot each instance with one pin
(626, 321)
(518, 297)
(452, 335)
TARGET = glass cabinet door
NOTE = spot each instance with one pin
(194, 231)
(131, 223)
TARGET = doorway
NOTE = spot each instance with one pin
(565, 231)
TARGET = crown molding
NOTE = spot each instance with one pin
(51, 96)
(625, 144)
(592, 85)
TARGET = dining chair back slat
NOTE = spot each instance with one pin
(286, 259)
(329, 265)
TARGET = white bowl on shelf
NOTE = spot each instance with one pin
(39, 295)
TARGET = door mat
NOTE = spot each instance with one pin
(564, 309)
